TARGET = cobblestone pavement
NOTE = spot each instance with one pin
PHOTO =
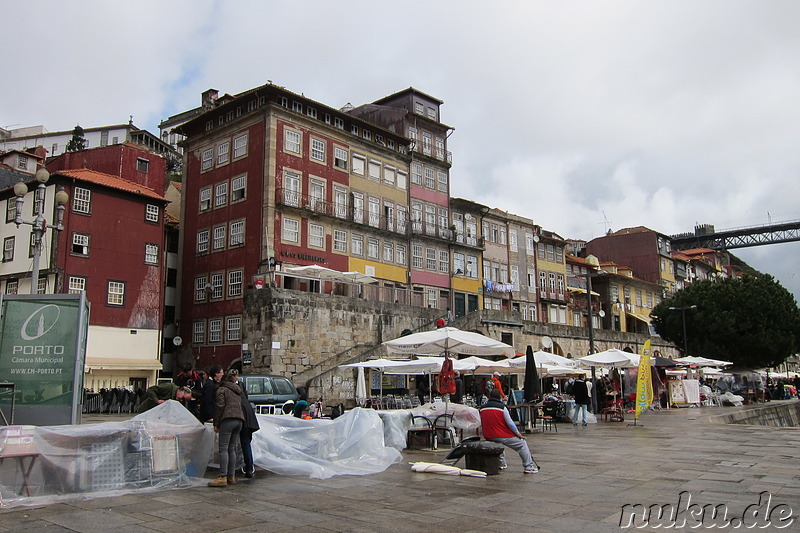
(588, 475)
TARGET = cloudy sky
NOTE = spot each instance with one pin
(582, 115)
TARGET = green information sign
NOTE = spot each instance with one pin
(42, 352)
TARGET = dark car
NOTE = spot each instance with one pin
(269, 390)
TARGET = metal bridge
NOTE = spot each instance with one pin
(705, 236)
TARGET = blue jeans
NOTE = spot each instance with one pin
(229, 430)
(518, 445)
(246, 438)
(579, 408)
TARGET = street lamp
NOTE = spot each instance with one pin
(685, 337)
(39, 223)
(589, 276)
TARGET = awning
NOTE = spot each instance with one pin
(110, 363)
(639, 316)
(581, 291)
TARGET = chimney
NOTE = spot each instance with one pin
(208, 99)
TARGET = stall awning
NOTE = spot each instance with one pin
(581, 291)
(110, 363)
(639, 316)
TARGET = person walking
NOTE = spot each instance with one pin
(580, 391)
(497, 426)
(228, 422)
(249, 427)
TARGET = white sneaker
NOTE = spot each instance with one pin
(531, 470)
(503, 467)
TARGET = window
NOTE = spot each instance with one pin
(316, 194)
(338, 122)
(238, 188)
(374, 212)
(389, 175)
(240, 146)
(8, 249)
(375, 170)
(215, 330)
(529, 243)
(541, 250)
(291, 141)
(208, 160)
(76, 285)
(235, 283)
(222, 153)
(233, 328)
(388, 252)
(442, 179)
(205, 199)
(82, 201)
(472, 266)
(373, 247)
(80, 244)
(340, 201)
(444, 261)
(202, 241)
(419, 108)
(151, 213)
(427, 141)
(357, 245)
(552, 278)
(416, 255)
(432, 298)
(431, 113)
(531, 279)
(430, 181)
(151, 254)
(116, 293)
(291, 191)
(219, 238)
(543, 280)
(502, 235)
(402, 179)
(201, 287)
(236, 233)
(11, 210)
(358, 207)
(216, 285)
(430, 220)
(297, 106)
(559, 254)
(12, 286)
(416, 173)
(402, 219)
(199, 332)
(317, 150)
(430, 258)
(401, 254)
(340, 158)
(54, 149)
(221, 194)
(359, 163)
(340, 241)
(311, 112)
(354, 129)
(291, 230)
(439, 148)
(512, 239)
(316, 236)
(368, 135)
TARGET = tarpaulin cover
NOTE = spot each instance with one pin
(464, 417)
(163, 447)
(319, 448)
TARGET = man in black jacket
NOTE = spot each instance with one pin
(581, 394)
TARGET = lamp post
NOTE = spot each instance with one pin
(588, 277)
(39, 223)
(683, 316)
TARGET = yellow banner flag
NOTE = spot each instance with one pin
(644, 384)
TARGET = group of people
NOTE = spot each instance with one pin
(220, 400)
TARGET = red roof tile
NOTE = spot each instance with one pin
(113, 182)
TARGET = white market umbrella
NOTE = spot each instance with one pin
(543, 359)
(361, 387)
(487, 366)
(701, 361)
(357, 277)
(612, 357)
(313, 271)
(447, 340)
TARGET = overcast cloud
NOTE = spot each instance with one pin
(583, 116)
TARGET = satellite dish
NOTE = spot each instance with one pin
(177, 341)
(601, 313)
(547, 342)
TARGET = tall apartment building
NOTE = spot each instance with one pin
(275, 180)
(467, 246)
(552, 270)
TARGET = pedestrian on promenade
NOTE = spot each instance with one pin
(158, 394)
(580, 391)
(497, 426)
(215, 374)
(249, 427)
(228, 421)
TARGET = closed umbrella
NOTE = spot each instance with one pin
(532, 385)
(361, 387)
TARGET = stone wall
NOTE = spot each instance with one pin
(307, 336)
(784, 415)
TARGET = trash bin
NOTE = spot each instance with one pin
(484, 456)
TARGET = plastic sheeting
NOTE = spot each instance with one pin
(464, 417)
(319, 448)
(163, 447)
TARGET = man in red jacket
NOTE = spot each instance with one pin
(497, 426)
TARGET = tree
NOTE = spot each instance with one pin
(78, 141)
(752, 321)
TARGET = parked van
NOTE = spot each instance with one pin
(271, 390)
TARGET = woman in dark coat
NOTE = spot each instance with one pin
(228, 421)
(249, 427)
